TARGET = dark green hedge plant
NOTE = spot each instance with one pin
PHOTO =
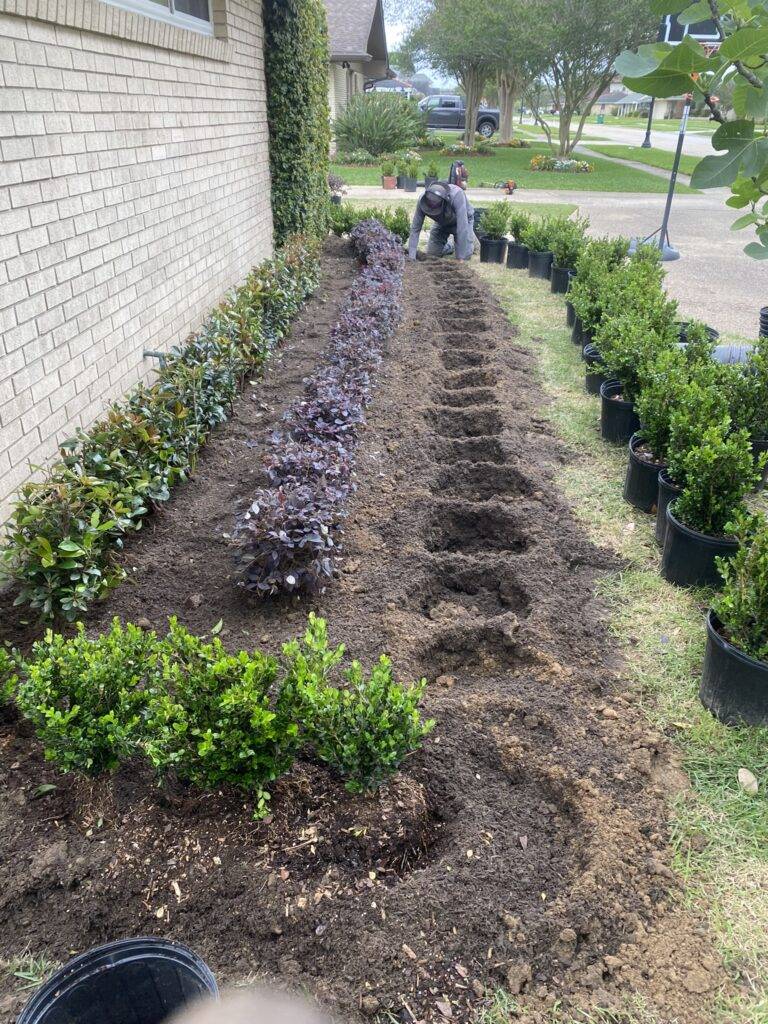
(65, 531)
(494, 221)
(345, 216)
(296, 64)
(742, 607)
(567, 240)
(598, 260)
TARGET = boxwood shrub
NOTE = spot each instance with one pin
(65, 530)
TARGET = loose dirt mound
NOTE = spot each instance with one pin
(524, 846)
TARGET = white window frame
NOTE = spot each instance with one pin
(167, 15)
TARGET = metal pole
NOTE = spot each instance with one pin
(664, 232)
(521, 110)
(646, 143)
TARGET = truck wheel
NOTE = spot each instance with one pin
(486, 129)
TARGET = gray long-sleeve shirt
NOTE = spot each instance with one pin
(457, 218)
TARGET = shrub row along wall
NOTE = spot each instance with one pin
(134, 191)
(65, 531)
(289, 534)
(297, 62)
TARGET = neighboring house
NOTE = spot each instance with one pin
(620, 102)
(134, 191)
(397, 85)
(358, 46)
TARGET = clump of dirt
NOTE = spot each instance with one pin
(523, 847)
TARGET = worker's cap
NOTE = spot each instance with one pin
(434, 198)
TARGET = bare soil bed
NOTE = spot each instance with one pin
(523, 847)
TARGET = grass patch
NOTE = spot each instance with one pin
(504, 1009)
(515, 163)
(719, 833)
(28, 971)
(697, 124)
(653, 157)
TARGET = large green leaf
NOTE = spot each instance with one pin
(756, 251)
(661, 82)
(732, 132)
(749, 101)
(745, 43)
(717, 171)
(700, 11)
(634, 64)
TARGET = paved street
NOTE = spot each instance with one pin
(713, 281)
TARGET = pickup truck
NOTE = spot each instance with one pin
(450, 112)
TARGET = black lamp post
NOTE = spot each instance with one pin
(646, 143)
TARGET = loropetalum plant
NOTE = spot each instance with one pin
(211, 717)
(292, 529)
(65, 531)
(719, 472)
(742, 607)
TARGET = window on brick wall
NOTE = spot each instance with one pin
(192, 14)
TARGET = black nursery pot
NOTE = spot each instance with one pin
(570, 313)
(667, 492)
(540, 264)
(336, 200)
(517, 256)
(131, 981)
(576, 330)
(688, 557)
(682, 331)
(492, 250)
(429, 180)
(559, 278)
(618, 419)
(641, 484)
(734, 687)
(764, 322)
(409, 184)
(595, 375)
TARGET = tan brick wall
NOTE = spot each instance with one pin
(134, 191)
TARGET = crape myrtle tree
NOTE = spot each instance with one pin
(741, 161)
(577, 43)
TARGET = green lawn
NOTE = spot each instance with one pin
(515, 163)
(653, 157)
(697, 124)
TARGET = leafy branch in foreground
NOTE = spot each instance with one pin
(660, 69)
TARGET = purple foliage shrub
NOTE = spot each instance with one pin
(288, 536)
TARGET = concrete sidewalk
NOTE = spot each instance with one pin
(713, 281)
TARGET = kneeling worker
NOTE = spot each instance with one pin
(449, 208)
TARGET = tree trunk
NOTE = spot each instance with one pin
(507, 84)
(473, 81)
(564, 132)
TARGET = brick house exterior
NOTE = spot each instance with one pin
(134, 191)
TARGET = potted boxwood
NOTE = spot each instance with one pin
(663, 379)
(627, 344)
(388, 175)
(536, 237)
(734, 683)
(597, 262)
(493, 243)
(410, 175)
(748, 386)
(517, 252)
(337, 188)
(431, 175)
(718, 473)
(567, 239)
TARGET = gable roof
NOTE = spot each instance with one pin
(356, 30)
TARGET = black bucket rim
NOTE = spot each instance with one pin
(619, 402)
(721, 543)
(634, 440)
(731, 649)
(98, 959)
